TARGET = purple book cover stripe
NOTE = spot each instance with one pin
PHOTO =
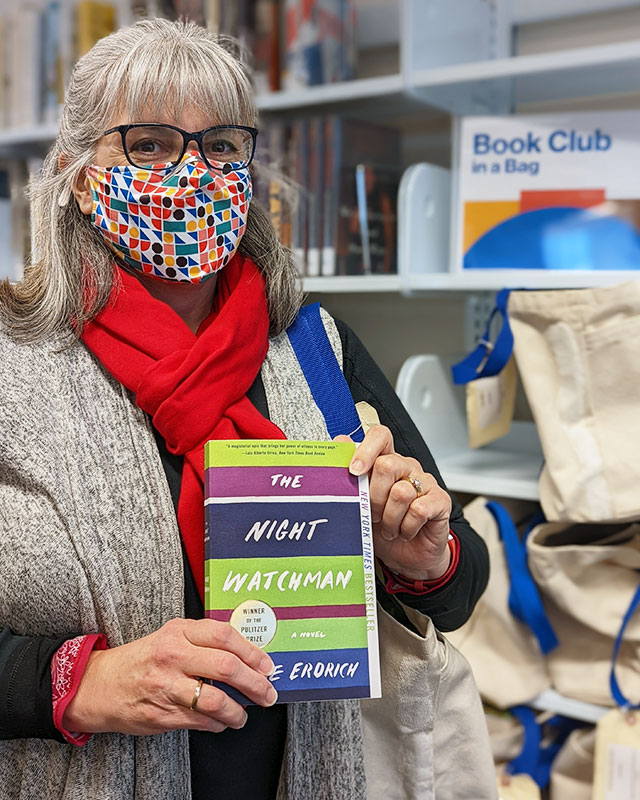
(299, 612)
(294, 482)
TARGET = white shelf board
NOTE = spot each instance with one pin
(493, 280)
(498, 85)
(331, 93)
(11, 138)
(352, 283)
(492, 471)
(550, 700)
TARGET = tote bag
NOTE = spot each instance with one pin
(577, 354)
(429, 720)
(508, 665)
(587, 575)
(572, 769)
(426, 738)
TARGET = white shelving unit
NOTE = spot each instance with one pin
(493, 84)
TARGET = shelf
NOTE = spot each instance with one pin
(37, 135)
(332, 94)
(352, 283)
(499, 85)
(494, 280)
(508, 467)
(550, 700)
(493, 471)
(471, 281)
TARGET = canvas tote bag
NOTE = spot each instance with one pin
(588, 575)
(507, 662)
(426, 738)
(572, 769)
(429, 720)
(577, 354)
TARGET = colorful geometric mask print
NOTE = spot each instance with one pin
(181, 225)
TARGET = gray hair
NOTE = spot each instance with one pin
(154, 64)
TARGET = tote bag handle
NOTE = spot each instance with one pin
(524, 599)
(488, 358)
(322, 372)
(618, 696)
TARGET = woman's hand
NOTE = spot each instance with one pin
(410, 532)
(147, 686)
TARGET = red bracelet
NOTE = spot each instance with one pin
(398, 584)
(67, 666)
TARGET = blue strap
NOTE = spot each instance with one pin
(320, 366)
(620, 699)
(488, 359)
(534, 759)
(527, 761)
(524, 598)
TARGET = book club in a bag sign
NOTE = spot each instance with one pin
(289, 562)
(548, 192)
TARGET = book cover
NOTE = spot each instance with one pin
(548, 191)
(289, 562)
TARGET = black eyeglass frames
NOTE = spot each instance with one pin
(151, 145)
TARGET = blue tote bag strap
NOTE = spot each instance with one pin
(535, 758)
(620, 699)
(524, 599)
(320, 366)
(488, 359)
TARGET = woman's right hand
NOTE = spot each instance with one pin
(147, 686)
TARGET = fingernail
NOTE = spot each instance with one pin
(356, 467)
(388, 536)
(244, 721)
(272, 696)
(266, 666)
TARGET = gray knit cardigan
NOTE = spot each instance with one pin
(90, 543)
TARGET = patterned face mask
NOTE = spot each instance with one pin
(181, 225)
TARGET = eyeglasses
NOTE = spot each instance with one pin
(153, 146)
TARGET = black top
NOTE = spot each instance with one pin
(25, 661)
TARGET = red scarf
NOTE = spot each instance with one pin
(192, 385)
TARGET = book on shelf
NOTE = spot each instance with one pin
(319, 42)
(94, 19)
(289, 563)
(360, 152)
(346, 173)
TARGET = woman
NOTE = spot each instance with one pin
(151, 321)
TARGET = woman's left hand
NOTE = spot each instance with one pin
(410, 529)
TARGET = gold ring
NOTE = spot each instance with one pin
(196, 695)
(417, 485)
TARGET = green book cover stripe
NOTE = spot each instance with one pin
(274, 453)
(333, 633)
(298, 581)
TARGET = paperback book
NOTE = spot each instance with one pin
(289, 563)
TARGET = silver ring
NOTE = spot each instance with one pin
(196, 695)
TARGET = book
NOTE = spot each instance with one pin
(23, 41)
(94, 20)
(52, 85)
(315, 133)
(289, 562)
(373, 153)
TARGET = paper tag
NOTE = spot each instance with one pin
(517, 787)
(617, 757)
(490, 405)
(368, 415)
